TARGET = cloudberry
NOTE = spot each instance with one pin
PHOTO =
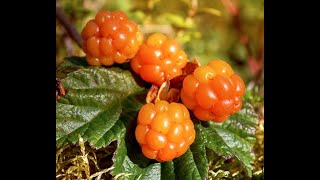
(213, 92)
(110, 37)
(159, 59)
(164, 131)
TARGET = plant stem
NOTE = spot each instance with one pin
(65, 22)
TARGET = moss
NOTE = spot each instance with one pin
(81, 161)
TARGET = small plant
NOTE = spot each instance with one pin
(142, 106)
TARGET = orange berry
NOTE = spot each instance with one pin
(176, 133)
(120, 39)
(130, 26)
(222, 107)
(170, 48)
(148, 152)
(190, 139)
(205, 96)
(156, 140)
(166, 63)
(186, 113)
(119, 15)
(219, 119)
(189, 132)
(92, 61)
(189, 101)
(182, 147)
(102, 16)
(166, 132)
(146, 114)
(181, 61)
(203, 74)
(136, 65)
(106, 47)
(168, 153)
(161, 123)
(91, 29)
(161, 106)
(119, 58)
(173, 72)
(222, 87)
(238, 85)
(221, 67)
(213, 92)
(150, 55)
(156, 39)
(237, 104)
(190, 84)
(203, 114)
(141, 132)
(110, 28)
(111, 38)
(106, 61)
(176, 112)
(162, 52)
(151, 73)
(93, 47)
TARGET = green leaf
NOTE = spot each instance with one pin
(71, 64)
(198, 150)
(235, 137)
(167, 171)
(124, 167)
(90, 122)
(193, 164)
(93, 105)
(108, 79)
(186, 167)
(113, 134)
(74, 61)
(131, 106)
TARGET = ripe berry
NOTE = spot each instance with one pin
(159, 59)
(110, 37)
(164, 131)
(213, 92)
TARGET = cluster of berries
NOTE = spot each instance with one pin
(164, 130)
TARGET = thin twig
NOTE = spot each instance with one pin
(65, 22)
(101, 172)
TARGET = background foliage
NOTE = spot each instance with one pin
(232, 30)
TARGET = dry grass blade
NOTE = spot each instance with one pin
(100, 173)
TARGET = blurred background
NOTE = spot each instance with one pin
(231, 30)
